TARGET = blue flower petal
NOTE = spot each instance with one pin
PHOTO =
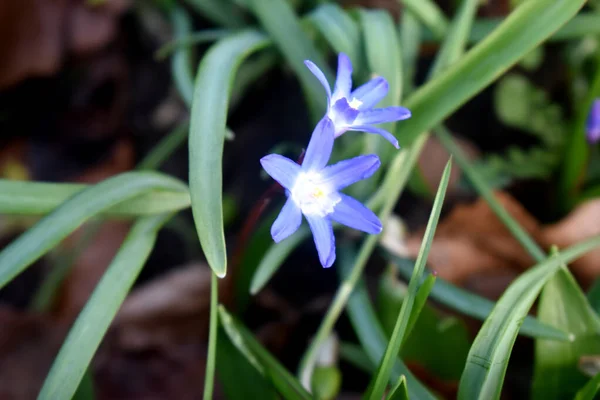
(347, 172)
(324, 240)
(343, 81)
(320, 76)
(371, 92)
(352, 213)
(320, 146)
(593, 123)
(371, 129)
(281, 168)
(287, 222)
(382, 115)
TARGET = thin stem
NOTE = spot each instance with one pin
(209, 379)
(484, 191)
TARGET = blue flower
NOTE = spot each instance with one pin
(313, 188)
(592, 126)
(352, 110)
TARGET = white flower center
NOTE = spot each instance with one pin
(313, 196)
(355, 103)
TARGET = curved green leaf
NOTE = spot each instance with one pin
(430, 14)
(589, 391)
(221, 12)
(521, 31)
(39, 198)
(92, 323)
(207, 134)
(53, 228)
(488, 358)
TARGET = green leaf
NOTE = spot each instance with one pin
(383, 59)
(326, 382)
(455, 42)
(277, 18)
(438, 343)
(370, 333)
(379, 381)
(207, 135)
(593, 296)
(239, 379)
(420, 299)
(589, 391)
(39, 198)
(520, 32)
(400, 391)
(53, 228)
(181, 63)
(563, 305)
(430, 14)
(165, 148)
(221, 12)
(260, 358)
(274, 257)
(476, 306)
(92, 323)
(489, 355)
(340, 31)
(410, 43)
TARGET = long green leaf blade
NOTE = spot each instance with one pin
(527, 26)
(475, 306)
(92, 323)
(283, 26)
(207, 135)
(371, 334)
(258, 356)
(40, 198)
(379, 382)
(589, 391)
(53, 228)
(489, 355)
(340, 30)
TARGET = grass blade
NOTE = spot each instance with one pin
(40, 198)
(277, 18)
(379, 382)
(486, 192)
(265, 363)
(207, 135)
(420, 299)
(221, 12)
(53, 228)
(211, 356)
(589, 391)
(371, 335)
(410, 42)
(340, 31)
(430, 14)
(476, 306)
(489, 355)
(563, 305)
(400, 391)
(92, 323)
(384, 59)
(454, 44)
(181, 63)
(526, 27)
